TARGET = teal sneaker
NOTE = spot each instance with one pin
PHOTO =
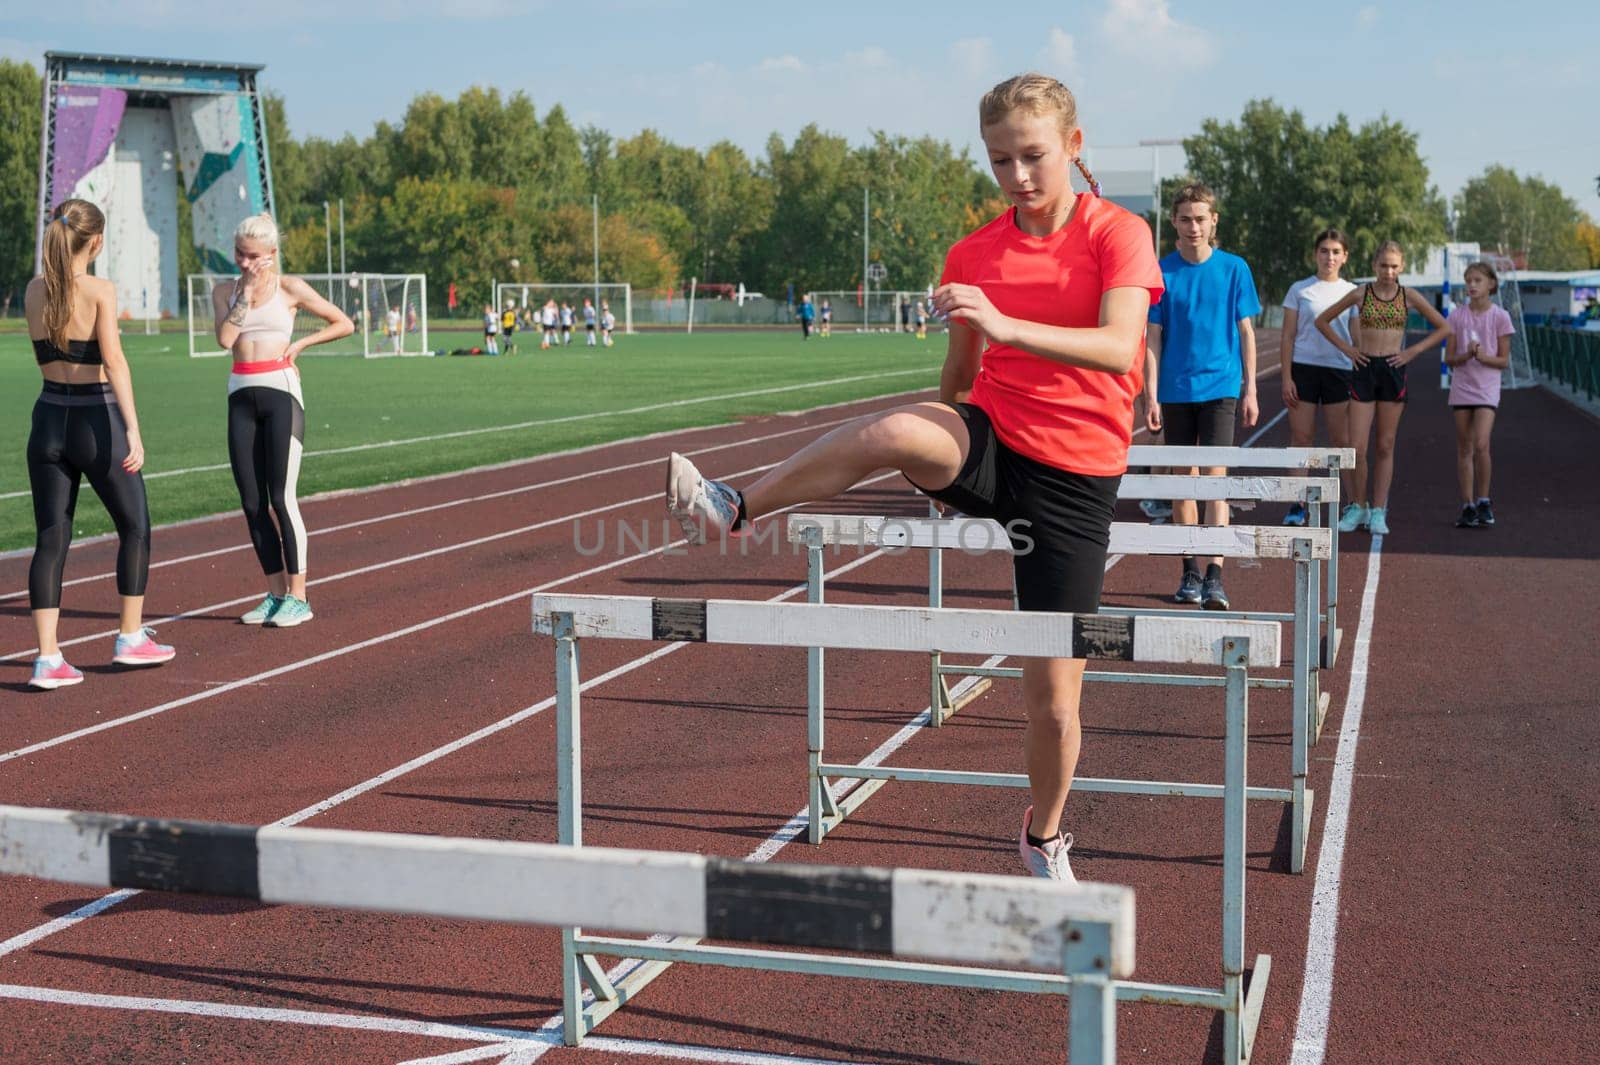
(1353, 517)
(263, 610)
(1378, 521)
(290, 612)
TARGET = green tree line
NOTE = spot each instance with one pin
(458, 189)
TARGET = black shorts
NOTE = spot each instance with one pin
(1207, 424)
(1379, 381)
(1320, 386)
(1060, 522)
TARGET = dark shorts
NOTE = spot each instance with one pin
(1320, 386)
(1379, 381)
(1060, 522)
(1208, 424)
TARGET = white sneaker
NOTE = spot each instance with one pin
(1050, 861)
(704, 509)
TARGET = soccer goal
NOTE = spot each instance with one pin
(874, 312)
(1519, 372)
(389, 312)
(533, 295)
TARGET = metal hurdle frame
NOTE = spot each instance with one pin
(1084, 931)
(1332, 459)
(1304, 546)
(1235, 645)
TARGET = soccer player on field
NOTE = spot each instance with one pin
(1047, 306)
(588, 322)
(508, 326)
(491, 330)
(608, 323)
(826, 329)
(566, 323)
(1203, 342)
(548, 320)
(266, 411)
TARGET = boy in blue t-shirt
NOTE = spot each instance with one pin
(1203, 346)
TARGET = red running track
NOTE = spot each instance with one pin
(1476, 734)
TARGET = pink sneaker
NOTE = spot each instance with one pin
(49, 678)
(1049, 861)
(138, 649)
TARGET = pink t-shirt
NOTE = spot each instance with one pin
(1473, 383)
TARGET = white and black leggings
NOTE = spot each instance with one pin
(266, 434)
(78, 432)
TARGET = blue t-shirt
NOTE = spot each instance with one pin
(1199, 318)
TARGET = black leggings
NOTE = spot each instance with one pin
(78, 432)
(266, 426)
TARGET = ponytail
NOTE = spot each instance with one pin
(1094, 186)
(70, 229)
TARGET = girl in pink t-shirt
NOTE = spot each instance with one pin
(1480, 347)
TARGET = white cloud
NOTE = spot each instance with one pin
(788, 64)
(1367, 16)
(1059, 56)
(1146, 28)
(974, 57)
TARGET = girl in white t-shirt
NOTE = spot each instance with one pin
(1315, 373)
(1480, 347)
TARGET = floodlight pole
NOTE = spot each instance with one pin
(341, 234)
(866, 284)
(1155, 147)
(327, 231)
(596, 203)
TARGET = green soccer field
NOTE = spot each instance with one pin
(507, 406)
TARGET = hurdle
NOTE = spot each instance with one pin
(1084, 933)
(1304, 546)
(1235, 645)
(1331, 459)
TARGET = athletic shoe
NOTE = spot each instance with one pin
(1050, 861)
(1485, 513)
(1296, 515)
(704, 509)
(1353, 517)
(1378, 521)
(1189, 590)
(1156, 509)
(139, 649)
(1468, 518)
(49, 678)
(1212, 597)
(263, 610)
(290, 612)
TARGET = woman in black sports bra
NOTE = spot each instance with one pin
(84, 425)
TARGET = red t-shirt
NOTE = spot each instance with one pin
(1063, 416)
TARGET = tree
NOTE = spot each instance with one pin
(813, 238)
(21, 89)
(1278, 181)
(1588, 235)
(921, 190)
(1527, 219)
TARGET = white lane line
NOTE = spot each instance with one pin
(712, 1055)
(1316, 993)
(379, 566)
(465, 500)
(1259, 433)
(541, 422)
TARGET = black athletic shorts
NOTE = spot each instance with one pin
(1379, 381)
(1320, 386)
(1059, 522)
(1207, 424)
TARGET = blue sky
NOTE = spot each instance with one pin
(706, 71)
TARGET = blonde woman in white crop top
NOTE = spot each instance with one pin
(266, 410)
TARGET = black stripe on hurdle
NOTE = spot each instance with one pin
(205, 859)
(1102, 636)
(678, 619)
(799, 905)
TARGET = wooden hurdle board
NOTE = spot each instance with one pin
(1084, 931)
(1236, 647)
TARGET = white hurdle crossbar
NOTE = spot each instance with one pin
(1086, 933)
(1195, 639)
(1320, 490)
(1308, 705)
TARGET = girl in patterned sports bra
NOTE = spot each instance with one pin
(266, 411)
(84, 426)
(1377, 348)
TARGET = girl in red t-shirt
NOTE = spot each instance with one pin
(1046, 307)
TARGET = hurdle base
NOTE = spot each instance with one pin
(1331, 643)
(1324, 699)
(624, 990)
(837, 809)
(1297, 850)
(1255, 993)
(950, 703)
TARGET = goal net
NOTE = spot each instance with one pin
(878, 311)
(389, 312)
(1519, 372)
(532, 296)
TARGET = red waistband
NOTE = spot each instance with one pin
(262, 367)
